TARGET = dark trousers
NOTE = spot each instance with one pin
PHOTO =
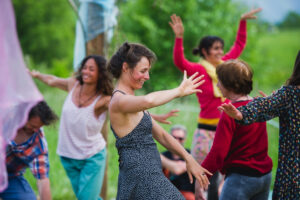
(212, 192)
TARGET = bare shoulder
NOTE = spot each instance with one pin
(71, 82)
(114, 102)
(103, 101)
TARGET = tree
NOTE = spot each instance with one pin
(146, 22)
(291, 21)
(46, 29)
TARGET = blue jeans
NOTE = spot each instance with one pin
(86, 175)
(237, 186)
(18, 189)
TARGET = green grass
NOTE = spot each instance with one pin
(272, 64)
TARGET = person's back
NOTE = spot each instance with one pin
(242, 149)
(240, 152)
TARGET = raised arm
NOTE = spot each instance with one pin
(193, 168)
(241, 38)
(131, 104)
(53, 81)
(178, 52)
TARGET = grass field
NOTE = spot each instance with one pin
(272, 64)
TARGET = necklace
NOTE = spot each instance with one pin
(88, 99)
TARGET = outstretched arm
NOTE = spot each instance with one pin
(231, 111)
(193, 168)
(163, 117)
(260, 109)
(54, 81)
(132, 104)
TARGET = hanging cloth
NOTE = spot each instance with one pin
(18, 93)
(211, 71)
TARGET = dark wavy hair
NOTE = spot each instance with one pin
(295, 77)
(131, 53)
(206, 43)
(104, 84)
(44, 112)
(235, 76)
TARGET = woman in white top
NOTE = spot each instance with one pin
(81, 145)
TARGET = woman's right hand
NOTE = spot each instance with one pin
(177, 26)
(34, 73)
(189, 85)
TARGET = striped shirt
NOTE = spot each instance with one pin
(33, 154)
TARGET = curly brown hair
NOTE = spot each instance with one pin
(104, 84)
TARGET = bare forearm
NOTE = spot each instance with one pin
(44, 189)
(161, 97)
(45, 78)
(53, 81)
(172, 145)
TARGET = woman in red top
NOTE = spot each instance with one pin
(239, 151)
(211, 51)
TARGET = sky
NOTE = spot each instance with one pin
(274, 10)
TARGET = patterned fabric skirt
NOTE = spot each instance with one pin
(202, 142)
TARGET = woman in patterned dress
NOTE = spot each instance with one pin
(285, 104)
(141, 175)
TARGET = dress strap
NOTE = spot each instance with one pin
(118, 91)
(147, 112)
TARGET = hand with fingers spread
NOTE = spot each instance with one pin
(177, 26)
(193, 168)
(189, 85)
(163, 118)
(231, 111)
(262, 93)
(251, 14)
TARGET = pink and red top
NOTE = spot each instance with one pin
(209, 113)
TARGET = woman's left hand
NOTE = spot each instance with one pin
(189, 85)
(251, 14)
(193, 168)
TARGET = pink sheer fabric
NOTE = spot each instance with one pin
(18, 92)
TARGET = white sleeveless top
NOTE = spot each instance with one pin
(79, 131)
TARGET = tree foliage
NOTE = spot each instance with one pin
(291, 21)
(146, 22)
(46, 30)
